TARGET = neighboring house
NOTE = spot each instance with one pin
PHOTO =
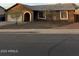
(56, 12)
(2, 14)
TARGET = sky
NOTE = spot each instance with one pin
(8, 3)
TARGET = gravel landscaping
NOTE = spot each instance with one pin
(35, 25)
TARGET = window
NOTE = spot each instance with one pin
(41, 15)
(64, 15)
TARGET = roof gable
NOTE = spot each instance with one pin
(26, 6)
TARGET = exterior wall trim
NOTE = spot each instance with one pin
(29, 14)
(64, 18)
(44, 16)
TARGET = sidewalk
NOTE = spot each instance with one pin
(42, 31)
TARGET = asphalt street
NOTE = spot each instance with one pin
(12, 44)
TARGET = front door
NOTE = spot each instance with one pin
(26, 17)
(77, 18)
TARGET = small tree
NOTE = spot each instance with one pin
(16, 14)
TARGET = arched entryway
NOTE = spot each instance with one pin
(26, 17)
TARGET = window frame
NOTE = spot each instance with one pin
(42, 17)
(66, 18)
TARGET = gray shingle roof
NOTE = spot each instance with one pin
(66, 6)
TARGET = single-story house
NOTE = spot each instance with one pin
(55, 12)
(2, 14)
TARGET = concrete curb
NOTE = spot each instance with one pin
(42, 31)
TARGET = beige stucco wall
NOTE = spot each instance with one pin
(53, 15)
(21, 17)
(71, 16)
(76, 11)
(10, 19)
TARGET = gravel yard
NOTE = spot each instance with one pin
(34, 25)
